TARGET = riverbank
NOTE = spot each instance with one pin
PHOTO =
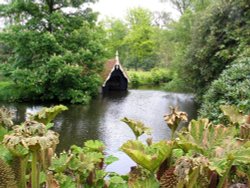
(101, 119)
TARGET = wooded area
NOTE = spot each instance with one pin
(50, 53)
(55, 50)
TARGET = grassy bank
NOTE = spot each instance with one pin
(159, 77)
(155, 77)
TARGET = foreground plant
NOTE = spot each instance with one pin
(32, 137)
(174, 118)
(46, 115)
(82, 166)
(7, 176)
(218, 143)
(6, 117)
(149, 157)
(137, 127)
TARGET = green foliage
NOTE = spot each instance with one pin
(148, 182)
(218, 144)
(137, 127)
(233, 113)
(231, 88)
(94, 145)
(149, 157)
(46, 115)
(135, 39)
(84, 166)
(116, 31)
(204, 137)
(219, 35)
(117, 182)
(56, 55)
(188, 160)
(156, 76)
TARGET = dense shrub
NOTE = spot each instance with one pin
(219, 35)
(52, 54)
(232, 87)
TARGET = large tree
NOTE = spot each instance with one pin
(54, 49)
(116, 31)
(140, 41)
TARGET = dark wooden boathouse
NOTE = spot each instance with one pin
(114, 75)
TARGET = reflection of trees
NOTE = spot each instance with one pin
(79, 123)
(20, 112)
(185, 103)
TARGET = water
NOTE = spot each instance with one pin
(101, 120)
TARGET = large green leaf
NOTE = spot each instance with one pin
(59, 164)
(110, 159)
(218, 165)
(137, 127)
(236, 157)
(149, 182)
(233, 113)
(242, 156)
(149, 157)
(46, 115)
(204, 137)
(94, 145)
(117, 182)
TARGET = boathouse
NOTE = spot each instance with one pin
(114, 75)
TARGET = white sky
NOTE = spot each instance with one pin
(119, 8)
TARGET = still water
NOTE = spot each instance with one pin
(101, 119)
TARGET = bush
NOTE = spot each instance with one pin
(160, 76)
(154, 77)
(232, 88)
(219, 35)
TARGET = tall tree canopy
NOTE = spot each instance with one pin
(54, 49)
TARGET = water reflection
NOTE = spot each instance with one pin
(101, 119)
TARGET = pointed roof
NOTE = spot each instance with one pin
(110, 66)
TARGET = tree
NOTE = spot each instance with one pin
(55, 49)
(219, 35)
(181, 5)
(231, 88)
(161, 19)
(116, 30)
(142, 51)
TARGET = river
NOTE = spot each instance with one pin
(101, 119)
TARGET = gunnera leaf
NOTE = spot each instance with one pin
(233, 113)
(137, 127)
(149, 157)
(174, 118)
(94, 145)
(46, 115)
